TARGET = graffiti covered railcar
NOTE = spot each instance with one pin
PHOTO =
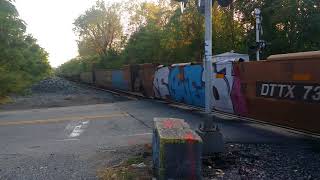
(186, 84)
(283, 90)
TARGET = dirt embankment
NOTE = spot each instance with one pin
(58, 92)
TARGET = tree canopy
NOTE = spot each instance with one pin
(22, 60)
(160, 33)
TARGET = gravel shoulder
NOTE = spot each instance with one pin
(58, 92)
(238, 162)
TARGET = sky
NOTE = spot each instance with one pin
(51, 23)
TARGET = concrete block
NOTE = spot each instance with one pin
(176, 150)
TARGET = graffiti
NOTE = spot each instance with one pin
(242, 88)
(118, 80)
(186, 85)
(222, 82)
(161, 83)
(194, 85)
(238, 99)
(176, 84)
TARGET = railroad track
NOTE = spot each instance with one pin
(219, 114)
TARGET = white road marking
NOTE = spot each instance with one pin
(79, 129)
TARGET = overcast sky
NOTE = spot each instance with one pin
(50, 21)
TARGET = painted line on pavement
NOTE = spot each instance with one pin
(79, 129)
(57, 120)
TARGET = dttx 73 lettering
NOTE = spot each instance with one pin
(290, 91)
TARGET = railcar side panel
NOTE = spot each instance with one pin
(283, 92)
(119, 80)
(103, 78)
(86, 77)
(147, 73)
(161, 83)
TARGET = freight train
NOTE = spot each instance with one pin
(283, 89)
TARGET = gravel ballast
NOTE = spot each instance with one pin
(265, 161)
(58, 92)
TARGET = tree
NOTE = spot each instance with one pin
(160, 33)
(99, 29)
(290, 26)
(22, 60)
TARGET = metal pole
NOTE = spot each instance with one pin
(208, 56)
(211, 136)
(258, 23)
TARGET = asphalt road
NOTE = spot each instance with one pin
(74, 142)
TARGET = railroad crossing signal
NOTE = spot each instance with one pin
(201, 4)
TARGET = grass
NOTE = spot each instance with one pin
(135, 160)
(5, 100)
(127, 171)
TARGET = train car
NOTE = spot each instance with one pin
(103, 78)
(140, 78)
(146, 76)
(87, 77)
(121, 79)
(161, 82)
(284, 90)
(186, 84)
(135, 80)
(73, 77)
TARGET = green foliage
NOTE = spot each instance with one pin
(159, 33)
(99, 29)
(290, 26)
(22, 60)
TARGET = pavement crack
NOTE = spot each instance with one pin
(141, 121)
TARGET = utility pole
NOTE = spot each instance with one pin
(258, 29)
(209, 133)
(208, 56)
